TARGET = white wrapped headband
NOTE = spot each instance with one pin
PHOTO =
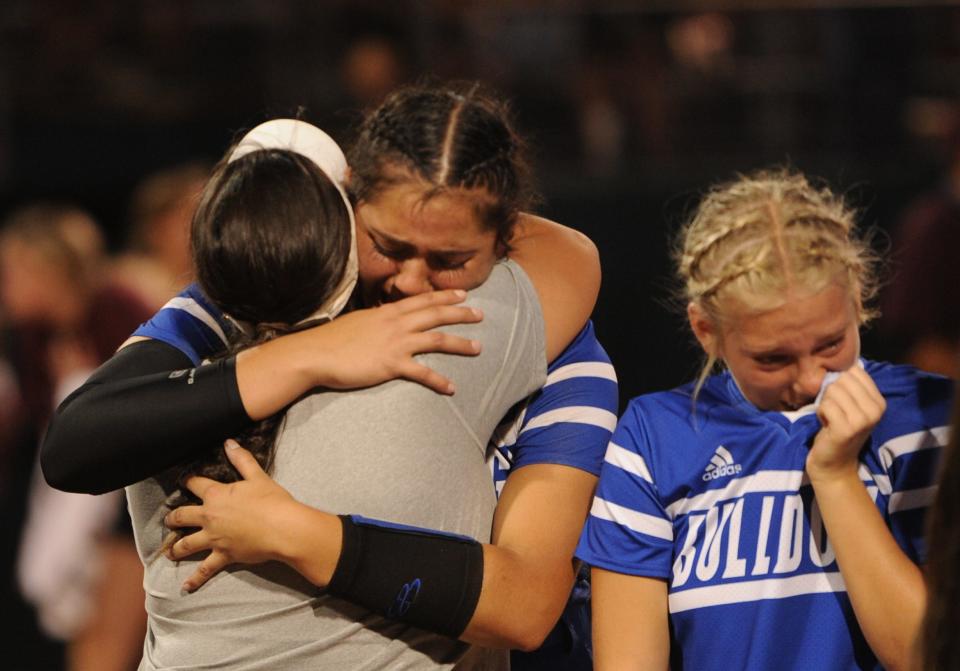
(309, 141)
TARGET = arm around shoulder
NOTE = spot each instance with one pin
(564, 266)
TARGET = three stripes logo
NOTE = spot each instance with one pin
(721, 465)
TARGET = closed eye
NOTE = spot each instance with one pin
(831, 346)
(772, 360)
(443, 263)
(390, 253)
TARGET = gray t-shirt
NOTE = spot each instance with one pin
(398, 452)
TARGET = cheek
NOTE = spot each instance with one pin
(759, 385)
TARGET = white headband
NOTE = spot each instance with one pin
(309, 141)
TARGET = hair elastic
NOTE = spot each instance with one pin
(311, 142)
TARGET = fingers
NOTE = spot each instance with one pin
(208, 568)
(428, 378)
(866, 390)
(245, 463)
(431, 298)
(189, 545)
(852, 403)
(184, 516)
(438, 341)
(431, 317)
(200, 485)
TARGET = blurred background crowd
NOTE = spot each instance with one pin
(112, 112)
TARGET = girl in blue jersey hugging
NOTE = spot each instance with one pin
(439, 186)
(769, 516)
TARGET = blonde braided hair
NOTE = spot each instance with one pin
(767, 233)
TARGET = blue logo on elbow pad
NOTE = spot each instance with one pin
(405, 599)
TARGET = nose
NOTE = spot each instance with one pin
(809, 378)
(412, 278)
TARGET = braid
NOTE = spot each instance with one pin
(768, 233)
(449, 137)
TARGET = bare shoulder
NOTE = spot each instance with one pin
(564, 266)
(534, 234)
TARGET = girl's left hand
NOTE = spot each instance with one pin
(848, 412)
(239, 522)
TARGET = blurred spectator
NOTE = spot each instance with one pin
(620, 94)
(157, 264)
(77, 563)
(921, 307)
(371, 67)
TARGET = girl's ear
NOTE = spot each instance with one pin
(704, 329)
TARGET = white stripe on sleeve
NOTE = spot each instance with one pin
(628, 461)
(576, 414)
(913, 442)
(582, 369)
(193, 308)
(911, 499)
(632, 519)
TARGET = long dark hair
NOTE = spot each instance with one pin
(450, 136)
(270, 241)
(940, 648)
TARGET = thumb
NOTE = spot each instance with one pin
(245, 463)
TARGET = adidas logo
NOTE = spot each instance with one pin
(721, 465)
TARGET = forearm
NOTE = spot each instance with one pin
(885, 587)
(630, 622)
(273, 375)
(133, 419)
(529, 569)
(311, 543)
(521, 599)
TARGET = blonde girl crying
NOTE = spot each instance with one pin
(769, 515)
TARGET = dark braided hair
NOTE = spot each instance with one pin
(454, 136)
(270, 240)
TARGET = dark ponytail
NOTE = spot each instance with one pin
(270, 241)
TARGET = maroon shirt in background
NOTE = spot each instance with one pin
(922, 299)
(114, 313)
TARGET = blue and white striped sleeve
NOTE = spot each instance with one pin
(570, 420)
(190, 323)
(628, 529)
(910, 462)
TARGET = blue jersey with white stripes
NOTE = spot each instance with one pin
(717, 504)
(569, 421)
(190, 323)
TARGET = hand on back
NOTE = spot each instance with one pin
(239, 522)
(370, 346)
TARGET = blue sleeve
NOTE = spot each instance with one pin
(570, 420)
(915, 430)
(628, 530)
(189, 323)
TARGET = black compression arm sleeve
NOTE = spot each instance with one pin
(141, 412)
(427, 578)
